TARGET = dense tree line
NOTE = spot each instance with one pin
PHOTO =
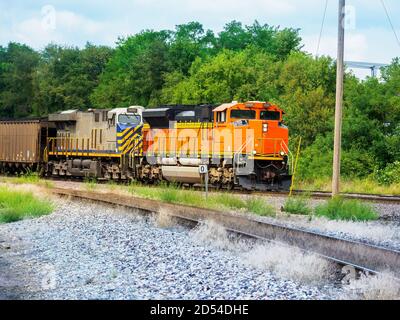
(191, 65)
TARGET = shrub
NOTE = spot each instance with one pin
(297, 205)
(260, 207)
(340, 209)
(170, 195)
(389, 175)
(228, 201)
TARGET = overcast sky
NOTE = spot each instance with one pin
(369, 35)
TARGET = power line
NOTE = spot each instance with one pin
(390, 22)
(322, 27)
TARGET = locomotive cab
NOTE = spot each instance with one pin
(128, 123)
(260, 142)
(261, 120)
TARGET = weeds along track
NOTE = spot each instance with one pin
(377, 198)
(345, 252)
(389, 199)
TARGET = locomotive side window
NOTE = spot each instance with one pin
(186, 114)
(270, 115)
(221, 116)
(243, 114)
(129, 119)
(111, 122)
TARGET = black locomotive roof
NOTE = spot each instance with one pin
(161, 116)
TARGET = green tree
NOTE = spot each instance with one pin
(306, 91)
(134, 75)
(273, 40)
(189, 42)
(277, 42)
(234, 36)
(66, 77)
(17, 66)
(228, 76)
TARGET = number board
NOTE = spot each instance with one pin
(203, 169)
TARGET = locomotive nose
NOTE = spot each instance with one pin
(273, 139)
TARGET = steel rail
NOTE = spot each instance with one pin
(326, 195)
(360, 255)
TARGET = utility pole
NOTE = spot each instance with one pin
(339, 101)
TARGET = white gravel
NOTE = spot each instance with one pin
(87, 251)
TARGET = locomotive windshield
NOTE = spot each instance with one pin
(270, 115)
(131, 119)
(243, 114)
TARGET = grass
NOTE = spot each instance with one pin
(348, 210)
(90, 183)
(383, 286)
(297, 205)
(29, 178)
(112, 185)
(366, 186)
(18, 205)
(173, 194)
(227, 200)
(47, 184)
(334, 209)
(260, 207)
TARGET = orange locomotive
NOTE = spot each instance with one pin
(243, 144)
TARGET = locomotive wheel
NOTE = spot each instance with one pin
(218, 186)
(230, 186)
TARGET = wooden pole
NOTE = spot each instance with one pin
(339, 101)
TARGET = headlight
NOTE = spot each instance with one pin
(255, 152)
(265, 127)
(282, 153)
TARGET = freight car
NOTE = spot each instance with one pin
(22, 144)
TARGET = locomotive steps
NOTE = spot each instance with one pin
(362, 256)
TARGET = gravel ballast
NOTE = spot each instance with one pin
(89, 251)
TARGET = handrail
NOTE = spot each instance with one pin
(295, 168)
(290, 154)
(235, 164)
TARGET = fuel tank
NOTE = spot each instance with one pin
(181, 174)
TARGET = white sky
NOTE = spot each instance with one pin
(369, 35)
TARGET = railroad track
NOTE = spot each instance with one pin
(358, 196)
(387, 199)
(361, 256)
